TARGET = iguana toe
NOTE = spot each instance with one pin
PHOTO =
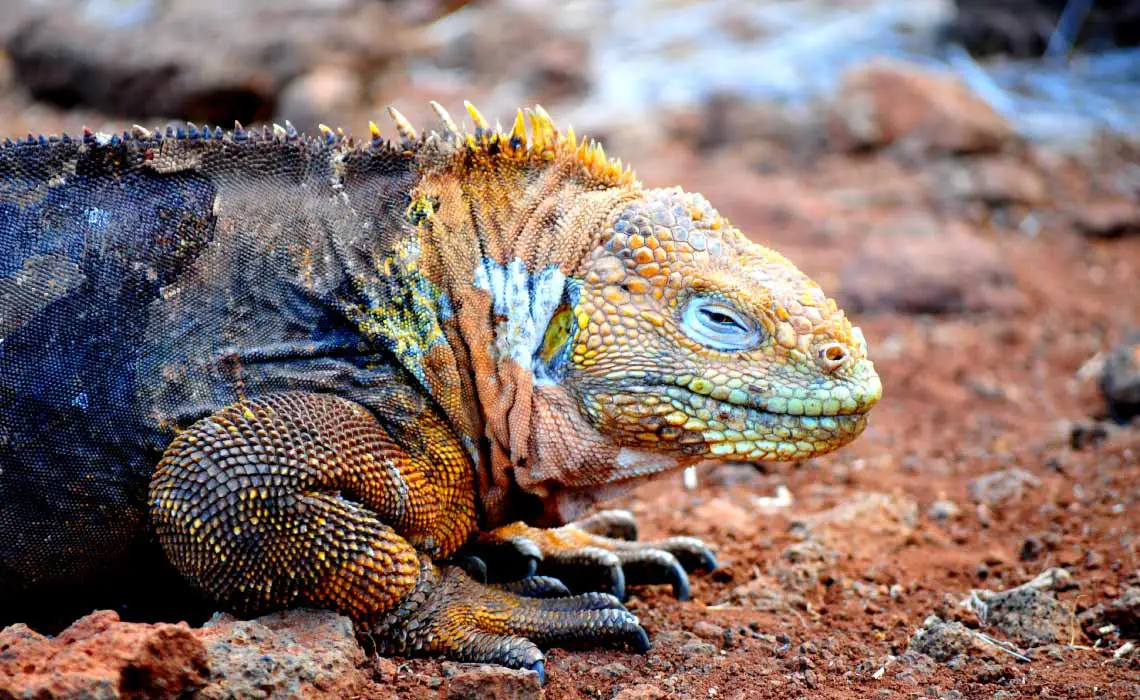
(616, 524)
(586, 569)
(536, 587)
(594, 554)
(452, 615)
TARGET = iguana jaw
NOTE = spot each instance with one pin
(791, 423)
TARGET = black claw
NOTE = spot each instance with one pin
(539, 667)
(526, 548)
(654, 566)
(680, 582)
(507, 561)
(624, 531)
(587, 570)
(531, 564)
(693, 556)
(618, 584)
(640, 641)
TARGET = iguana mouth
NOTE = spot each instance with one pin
(754, 433)
(701, 425)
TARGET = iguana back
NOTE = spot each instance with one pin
(146, 282)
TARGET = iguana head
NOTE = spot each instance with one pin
(631, 331)
(693, 341)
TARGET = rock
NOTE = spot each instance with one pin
(1030, 616)
(1031, 548)
(698, 648)
(641, 691)
(887, 102)
(991, 180)
(868, 513)
(1082, 435)
(208, 61)
(385, 670)
(709, 631)
(101, 657)
(614, 670)
(313, 653)
(944, 641)
(1001, 487)
(1120, 380)
(953, 272)
(666, 638)
(914, 667)
(804, 565)
(493, 683)
(943, 510)
(1107, 219)
(1121, 616)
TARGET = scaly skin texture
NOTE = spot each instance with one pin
(317, 372)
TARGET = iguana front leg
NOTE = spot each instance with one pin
(306, 500)
(599, 552)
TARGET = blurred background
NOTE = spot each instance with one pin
(963, 176)
(604, 64)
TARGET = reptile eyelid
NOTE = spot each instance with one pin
(698, 324)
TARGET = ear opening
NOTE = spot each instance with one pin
(552, 361)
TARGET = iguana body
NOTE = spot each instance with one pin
(314, 367)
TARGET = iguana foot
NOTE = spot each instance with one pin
(452, 615)
(596, 553)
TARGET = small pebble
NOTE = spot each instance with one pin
(943, 510)
(707, 630)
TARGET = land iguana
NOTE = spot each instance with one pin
(315, 371)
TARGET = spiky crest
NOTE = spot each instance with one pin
(543, 142)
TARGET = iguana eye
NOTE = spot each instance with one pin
(719, 325)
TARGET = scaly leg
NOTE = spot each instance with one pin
(595, 553)
(306, 500)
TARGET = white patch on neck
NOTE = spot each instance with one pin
(526, 301)
(633, 463)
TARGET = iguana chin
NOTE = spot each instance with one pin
(323, 372)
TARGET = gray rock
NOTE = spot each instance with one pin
(709, 631)
(1120, 616)
(943, 510)
(614, 670)
(1000, 487)
(295, 653)
(493, 683)
(696, 648)
(1030, 616)
(1120, 380)
(942, 640)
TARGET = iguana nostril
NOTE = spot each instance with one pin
(832, 356)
